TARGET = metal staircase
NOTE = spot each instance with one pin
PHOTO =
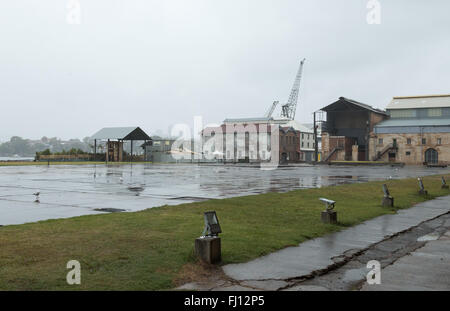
(386, 149)
(332, 152)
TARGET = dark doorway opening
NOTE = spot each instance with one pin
(431, 156)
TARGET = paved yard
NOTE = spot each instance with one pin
(73, 190)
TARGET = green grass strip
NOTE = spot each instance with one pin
(147, 250)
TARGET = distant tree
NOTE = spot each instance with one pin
(44, 146)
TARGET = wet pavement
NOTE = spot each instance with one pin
(74, 190)
(338, 261)
(408, 262)
(427, 268)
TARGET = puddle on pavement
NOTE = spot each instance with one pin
(355, 275)
(429, 237)
(89, 186)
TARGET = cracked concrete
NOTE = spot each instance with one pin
(316, 254)
(352, 275)
(338, 261)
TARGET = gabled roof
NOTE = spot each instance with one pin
(411, 102)
(286, 129)
(122, 133)
(344, 104)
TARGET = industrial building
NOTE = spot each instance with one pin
(417, 132)
(251, 142)
(304, 137)
(242, 136)
(346, 130)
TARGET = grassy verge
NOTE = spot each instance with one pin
(147, 250)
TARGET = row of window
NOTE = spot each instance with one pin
(308, 136)
(289, 139)
(303, 145)
(408, 141)
(413, 113)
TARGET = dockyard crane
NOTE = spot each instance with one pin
(288, 109)
(271, 109)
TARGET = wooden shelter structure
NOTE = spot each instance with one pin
(115, 136)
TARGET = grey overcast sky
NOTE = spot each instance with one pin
(155, 63)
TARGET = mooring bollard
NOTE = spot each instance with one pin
(422, 190)
(208, 246)
(329, 216)
(444, 184)
(388, 200)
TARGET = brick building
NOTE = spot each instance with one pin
(251, 141)
(347, 128)
(417, 132)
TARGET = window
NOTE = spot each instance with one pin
(380, 141)
(403, 113)
(424, 141)
(439, 141)
(302, 144)
(434, 112)
(408, 153)
(408, 141)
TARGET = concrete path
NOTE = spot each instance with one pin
(288, 268)
(389, 253)
(321, 253)
(425, 269)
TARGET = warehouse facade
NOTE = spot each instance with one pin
(252, 141)
(418, 131)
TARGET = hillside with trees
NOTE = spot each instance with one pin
(28, 148)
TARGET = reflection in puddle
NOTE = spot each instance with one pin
(90, 187)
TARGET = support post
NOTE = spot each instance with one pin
(316, 147)
(329, 217)
(107, 152)
(422, 190)
(95, 149)
(131, 160)
(208, 249)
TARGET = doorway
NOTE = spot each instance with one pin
(431, 156)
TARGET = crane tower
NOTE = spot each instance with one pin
(288, 109)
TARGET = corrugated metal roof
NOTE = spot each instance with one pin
(299, 127)
(343, 100)
(414, 122)
(242, 120)
(283, 122)
(120, 133)
(431, 101)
